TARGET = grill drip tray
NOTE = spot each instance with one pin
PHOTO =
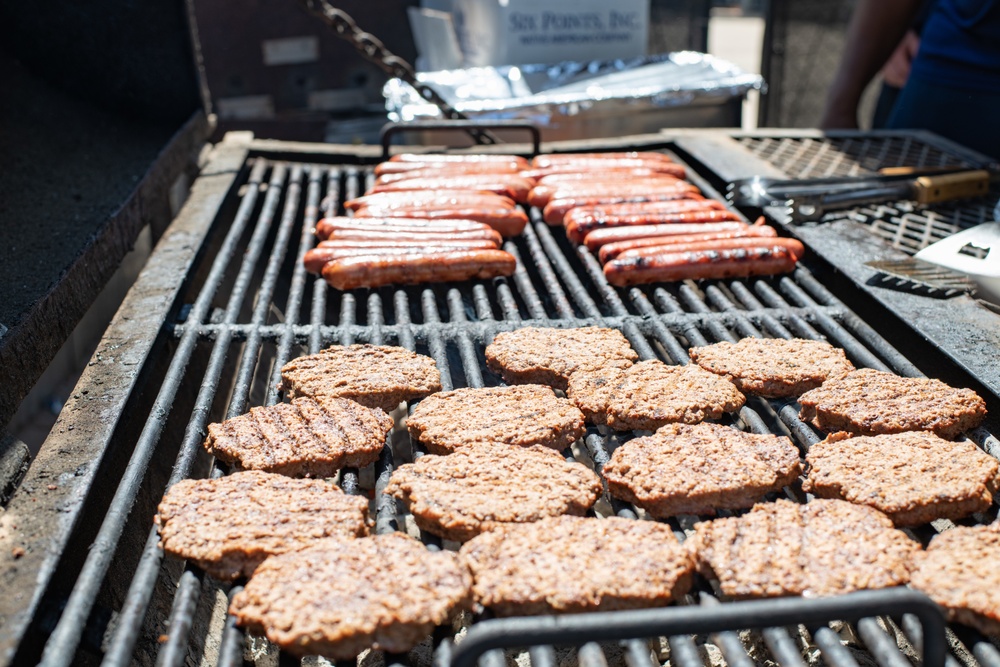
(247, 307)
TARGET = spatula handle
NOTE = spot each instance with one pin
(931, 189)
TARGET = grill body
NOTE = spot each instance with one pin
(89, 584)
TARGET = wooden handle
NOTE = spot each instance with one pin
(931, 189)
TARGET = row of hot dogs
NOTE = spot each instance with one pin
(432, 218)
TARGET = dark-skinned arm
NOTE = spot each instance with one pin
(876, 28)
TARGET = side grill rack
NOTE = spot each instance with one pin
(250, 307)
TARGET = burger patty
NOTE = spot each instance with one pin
(485, 485)
(228, 526)
(339, 597)
(377, 376)
(651, 394)
(572, 564)
(522, 415)
(871, 402)
(700, 468)
(774, 367)
(959, 572)
(913, 477)
(825, 547)
(303, 438)
(549, 356)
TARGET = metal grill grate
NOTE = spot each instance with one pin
(905, 225)
(251, 307)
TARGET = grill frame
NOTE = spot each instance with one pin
(220, 188)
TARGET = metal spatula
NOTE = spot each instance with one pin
(958, 264)
(974, 252)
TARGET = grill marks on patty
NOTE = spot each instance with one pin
(535, 355)
(651, 394)
(573, 564)
(774, 367)
(522, 415)
(701, 468)
(825, 547)
(871, 402)
(228, 526)
(913, 477)
(959, 572)
(304, 437)
(377, 376)
(482, 486)
(341, 597)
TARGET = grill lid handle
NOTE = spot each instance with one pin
(390, 129)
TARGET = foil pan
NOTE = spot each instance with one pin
(575, 95)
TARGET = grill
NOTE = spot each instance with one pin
(87, 583)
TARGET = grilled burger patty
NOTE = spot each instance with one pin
(774, 367)
(573, 564)
(377, 376)
(825, 547)
(535, 355)
(700, 468)
(484, 485)
(302, 438)
(959, 572)
(651, 394)
(522, 415)
(228, 526)
(341, 597)
(913, 477)
(871, 402)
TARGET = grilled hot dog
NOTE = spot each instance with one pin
(576, 231)
(507, 221)
(378, 270)
(554, 159)
(509, 185)
(557, 208)
(543, 193)
(316, 258)
(435, 199)
(613, 250)
(750, 257)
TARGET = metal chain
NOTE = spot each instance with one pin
(374, 50)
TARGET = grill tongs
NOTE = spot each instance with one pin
(808, 199)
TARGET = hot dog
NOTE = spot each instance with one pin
(651, 211)
(613, 250)
(505, 166)
(554, 159)
(601, 237)
(507, 221)
(430, 199)
(576, 231)
(557, 208)
(442, 169)
(378, 270)
(509, 185)
(571, 172)
(397, 221)
(316, 258)
(415, 237)
(543, 193)
(458, 157)
(753, 257)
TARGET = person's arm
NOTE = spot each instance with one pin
(876, 28)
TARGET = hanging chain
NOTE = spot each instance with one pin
(374, 50)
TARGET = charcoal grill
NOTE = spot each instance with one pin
(85, 582)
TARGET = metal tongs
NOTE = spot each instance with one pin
(809, 199)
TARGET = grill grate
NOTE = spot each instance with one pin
(253, 307)
(905, 225)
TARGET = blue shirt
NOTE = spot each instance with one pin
(960, 45)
